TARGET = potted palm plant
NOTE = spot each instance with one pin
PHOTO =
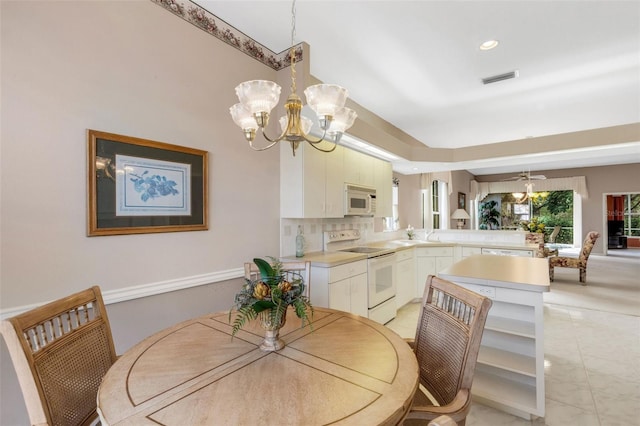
(489, 215)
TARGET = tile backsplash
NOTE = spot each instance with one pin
(313, 232)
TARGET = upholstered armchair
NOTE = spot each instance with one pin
(579, 263)
(536, 238)
(554, 233)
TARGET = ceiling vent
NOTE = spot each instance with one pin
(500, 77)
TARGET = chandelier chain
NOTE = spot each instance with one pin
(293, 49)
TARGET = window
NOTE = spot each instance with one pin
(435, 205)
(393, 223)
(552, 208)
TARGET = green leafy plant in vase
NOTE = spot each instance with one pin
(268, 298)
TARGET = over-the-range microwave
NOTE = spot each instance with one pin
(359, 201)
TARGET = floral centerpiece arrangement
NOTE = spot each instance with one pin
(533, 226)
(411, 233)
(269, 296)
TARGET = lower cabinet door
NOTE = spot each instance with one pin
(405, 283)
(340, 295)
(350, 295)
(425, 266)
(359, 302)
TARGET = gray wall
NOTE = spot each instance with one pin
(131, 68)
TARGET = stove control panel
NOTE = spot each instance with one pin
(343, 235)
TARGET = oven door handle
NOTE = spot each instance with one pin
(382, 257)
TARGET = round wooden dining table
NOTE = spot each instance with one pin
(344, 370)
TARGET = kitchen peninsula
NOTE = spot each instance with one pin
(502, 266)
(339, 278)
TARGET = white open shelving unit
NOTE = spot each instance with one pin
(509, 372)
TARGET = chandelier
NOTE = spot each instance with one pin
(522, 197)
(259, 97)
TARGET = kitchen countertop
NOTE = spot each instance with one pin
(328, 259)
(522, 273)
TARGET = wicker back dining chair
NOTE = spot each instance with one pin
(61, 351)
(292, 271)
(571, 262)
(447, 342)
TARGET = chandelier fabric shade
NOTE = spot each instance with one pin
(259, 97)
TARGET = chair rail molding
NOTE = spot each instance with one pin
(144, 290)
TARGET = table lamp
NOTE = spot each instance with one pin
(460, 215)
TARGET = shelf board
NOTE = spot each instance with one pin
(511, 326)
(507, 392)
(506, 360)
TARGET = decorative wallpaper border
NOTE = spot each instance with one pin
(218, 28)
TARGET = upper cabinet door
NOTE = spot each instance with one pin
(384, 194)
(358, 168)
(311, 183)
(334, 190)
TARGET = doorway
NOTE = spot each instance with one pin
(621, 223)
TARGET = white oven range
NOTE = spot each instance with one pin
(381, 273)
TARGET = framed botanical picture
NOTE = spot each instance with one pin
(139, 186)
(462, 200)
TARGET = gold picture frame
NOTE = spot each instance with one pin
(462, 200)
(140, 186)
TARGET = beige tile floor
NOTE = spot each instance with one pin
(592, 364)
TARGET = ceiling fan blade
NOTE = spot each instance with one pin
(538, 177)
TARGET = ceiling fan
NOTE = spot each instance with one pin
(525, 176)
(523, 196)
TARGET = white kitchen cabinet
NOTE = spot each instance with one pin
(507, 252)
(342, 287)
(358, 168)
(470, 251)
(405, 277)
(496, 251)
(334, 183)
(311, 183)
(430, 261)
(509, 374)
(383, 174)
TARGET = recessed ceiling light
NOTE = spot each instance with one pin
(489, 44)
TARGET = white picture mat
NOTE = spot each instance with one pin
(148, 187)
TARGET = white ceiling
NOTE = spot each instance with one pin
(417, 65)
